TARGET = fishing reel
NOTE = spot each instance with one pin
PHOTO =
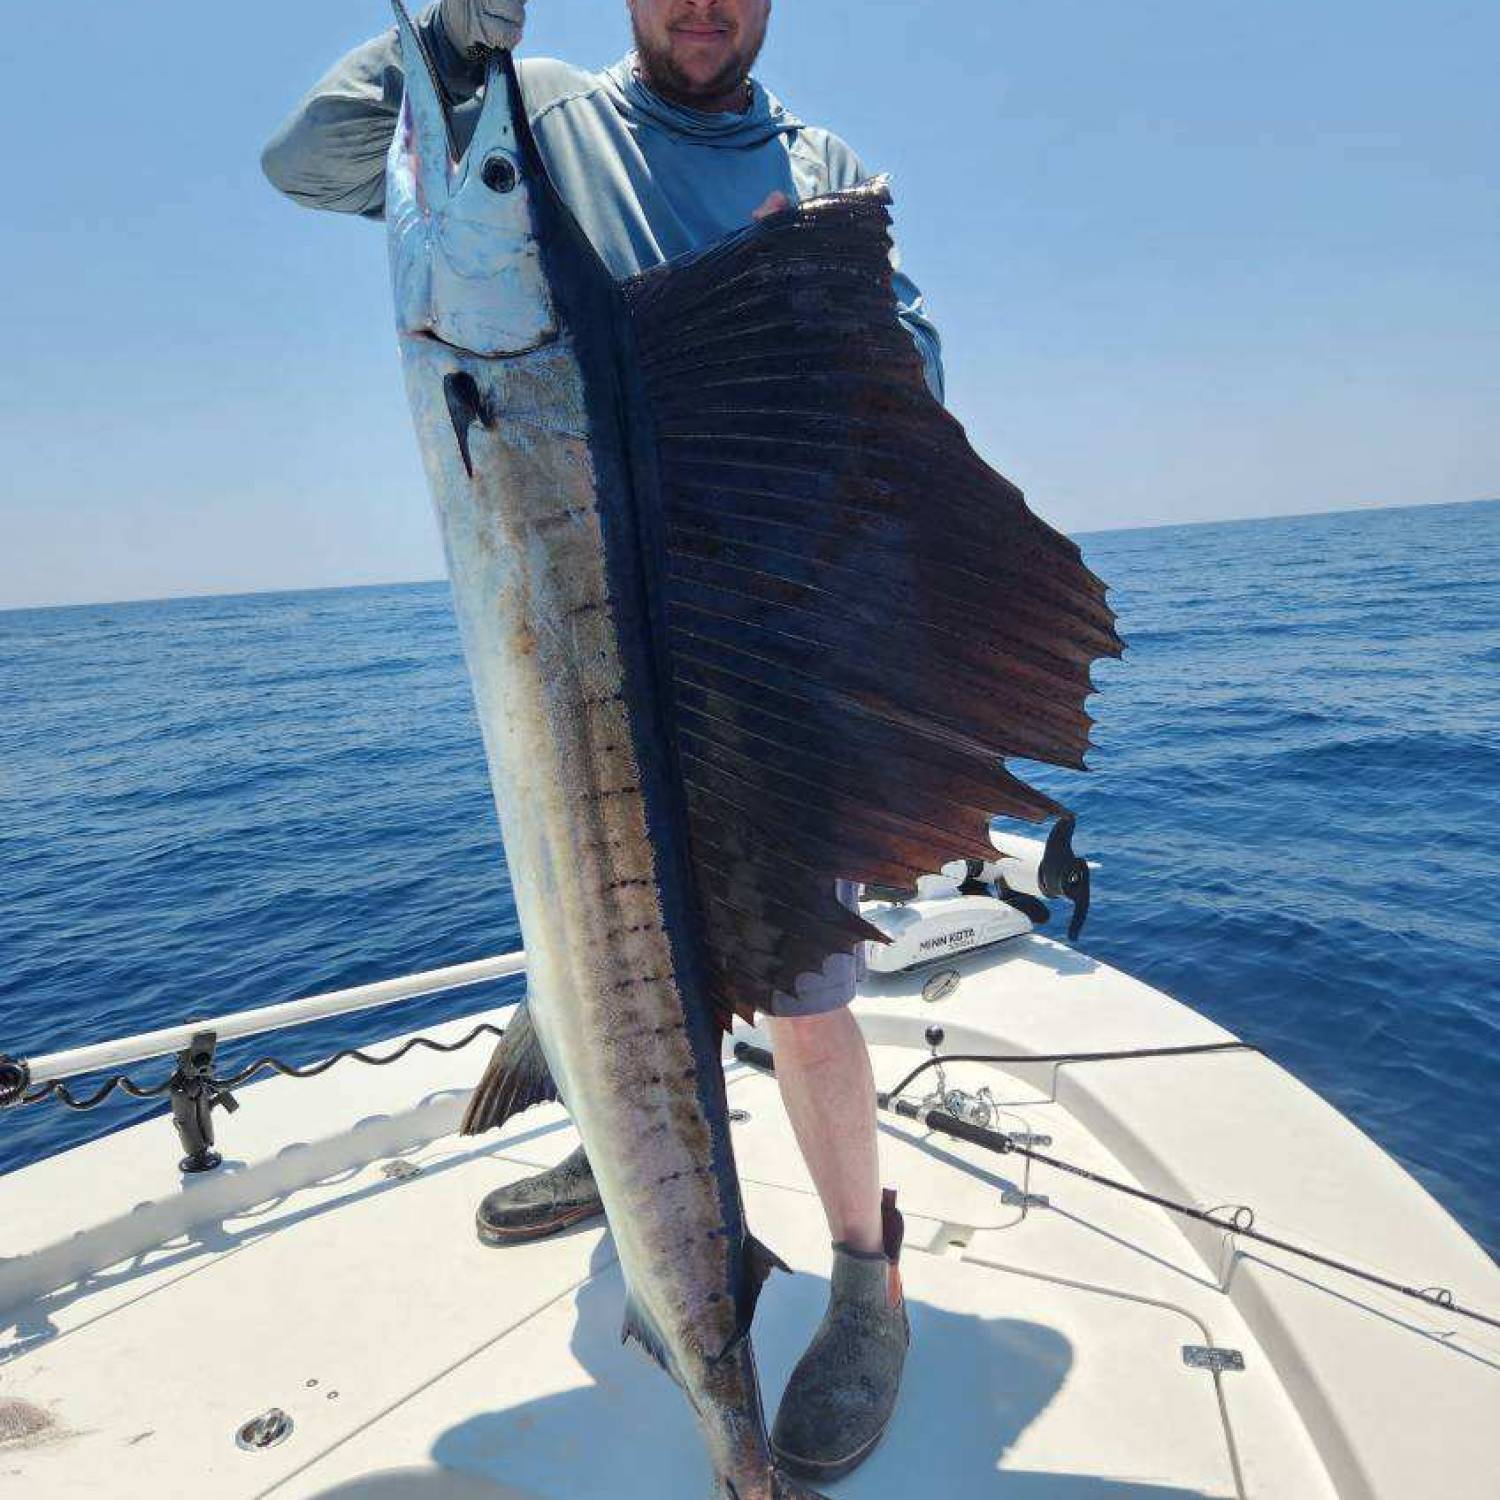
(977, 1108)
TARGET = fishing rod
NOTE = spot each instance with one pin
(1240, 1223)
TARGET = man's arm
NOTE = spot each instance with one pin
(912, 307)
(330, 151)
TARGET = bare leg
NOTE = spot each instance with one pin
(823, 1068)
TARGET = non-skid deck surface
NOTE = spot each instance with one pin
(1009, 1392)
(145, 1320)
(416, 1362)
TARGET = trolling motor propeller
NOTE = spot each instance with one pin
(1063, 873)
(1057, 872)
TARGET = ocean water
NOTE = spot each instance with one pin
(216, 803)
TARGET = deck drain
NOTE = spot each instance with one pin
(400, 1171)
(738, 1116)
(264, 1431)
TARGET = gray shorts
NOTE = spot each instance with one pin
(833, 987)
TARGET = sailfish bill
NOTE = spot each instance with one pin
(666, 505)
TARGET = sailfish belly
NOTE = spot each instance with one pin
(507, 448)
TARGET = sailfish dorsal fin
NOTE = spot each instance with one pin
(859, 619)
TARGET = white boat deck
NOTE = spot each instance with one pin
(330, 1269)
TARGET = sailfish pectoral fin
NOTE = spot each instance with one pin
(465, 408)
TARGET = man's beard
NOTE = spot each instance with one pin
(664, 77)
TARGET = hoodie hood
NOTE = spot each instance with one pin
(765, 118)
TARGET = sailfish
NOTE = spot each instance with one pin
(744, 616)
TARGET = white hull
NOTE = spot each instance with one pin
(149, 1318)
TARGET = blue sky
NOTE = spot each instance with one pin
(1191, 260)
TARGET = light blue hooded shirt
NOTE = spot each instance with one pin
(646, 179)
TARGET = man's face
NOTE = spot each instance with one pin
(698, 49)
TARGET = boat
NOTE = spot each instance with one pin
(1143, 1261)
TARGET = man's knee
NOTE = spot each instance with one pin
(814, 1038)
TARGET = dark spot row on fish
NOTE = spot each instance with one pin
(703, 1169)
(614, 932)
(560, 517)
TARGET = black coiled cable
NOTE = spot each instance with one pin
(57, 1089)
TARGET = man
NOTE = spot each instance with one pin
(671, 148)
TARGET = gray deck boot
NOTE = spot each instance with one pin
(840, 1398)
(541, 1205)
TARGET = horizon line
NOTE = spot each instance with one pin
(271, 591)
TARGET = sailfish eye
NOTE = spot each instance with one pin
(499, 173)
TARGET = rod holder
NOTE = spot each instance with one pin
(193, 1095)
(15, 1079)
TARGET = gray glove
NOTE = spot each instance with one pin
(478, 27)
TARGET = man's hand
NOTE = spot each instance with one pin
(479, 27)
(774, 204)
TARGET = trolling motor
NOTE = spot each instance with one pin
(974, 903)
